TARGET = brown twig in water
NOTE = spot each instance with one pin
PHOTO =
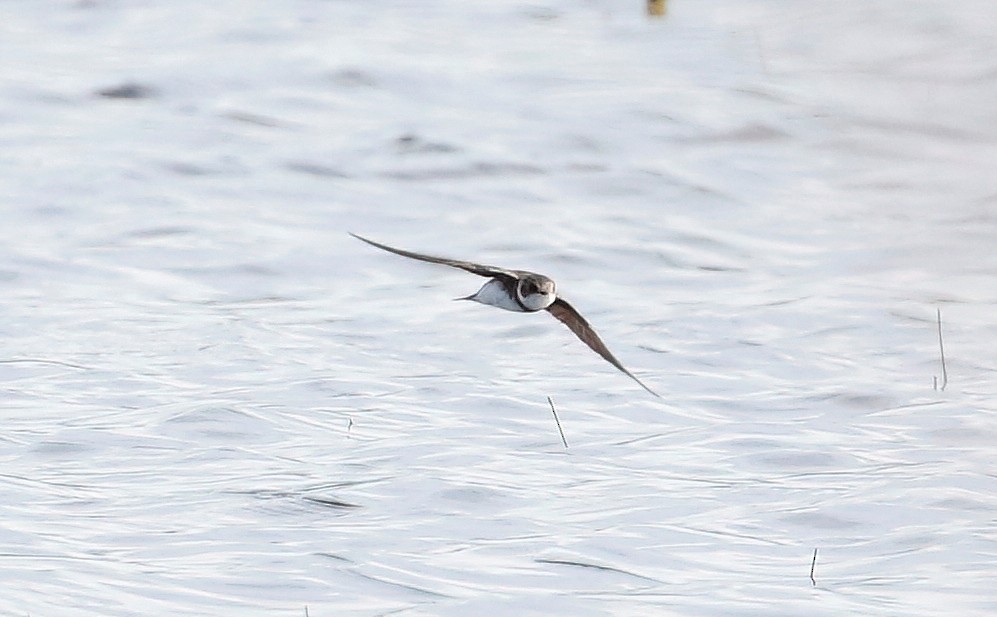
(941, 350)
(813, 564)
(559, 430)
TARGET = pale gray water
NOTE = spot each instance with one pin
(217, 402)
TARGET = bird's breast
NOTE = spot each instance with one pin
(494, 293)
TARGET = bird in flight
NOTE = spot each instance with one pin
(523, 292)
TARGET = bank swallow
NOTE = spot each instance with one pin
(522, 292)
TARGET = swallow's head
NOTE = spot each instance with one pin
(535, 291)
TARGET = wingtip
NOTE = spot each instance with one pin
(362, 239)
(641, 383)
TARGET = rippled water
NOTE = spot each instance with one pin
(217, 402)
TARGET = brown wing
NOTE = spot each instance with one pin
(577, 324)
(473, 268)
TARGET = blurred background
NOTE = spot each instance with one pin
(215, 401)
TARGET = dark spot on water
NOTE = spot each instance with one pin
(187, 169)
(329, 502)
(160, 232)
(413, 144)
(587, 168)
(62, 448)
(819, 521)
(251, 118)
(128, 91)
(353, 78)
(593, 566)
(476, 170)
(222, 165)
(316, 169)
(541, 13)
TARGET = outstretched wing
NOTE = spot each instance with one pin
(473, 268)
(577, 324)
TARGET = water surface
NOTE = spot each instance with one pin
(217, 402)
